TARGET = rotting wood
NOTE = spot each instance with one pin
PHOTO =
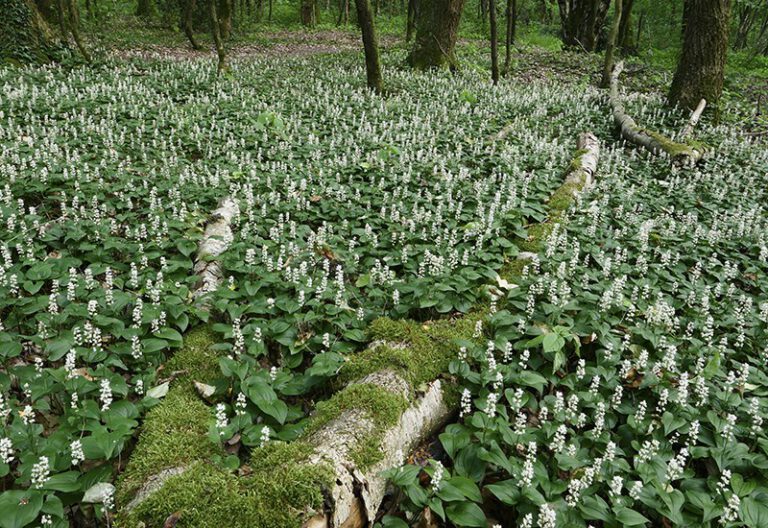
(682, 154)
(216, 240)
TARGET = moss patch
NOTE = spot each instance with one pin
(537, 234)
(428, 348)
(273, 496)
(174, 433)
(563, 197)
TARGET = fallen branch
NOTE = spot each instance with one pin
(695, 116)
(680, 153)
(216, 239)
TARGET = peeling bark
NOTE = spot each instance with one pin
(216, 239)
(358, 493)
(582, 171)
(680, 153)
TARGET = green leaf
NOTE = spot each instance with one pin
(465, 514)
(506, 491)
(630, 517)
(19, 508)
(754, 513)
(553, 342)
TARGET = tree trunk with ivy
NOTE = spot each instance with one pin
(494, 43)
(701, 68)
(187, 13)
(581, 22)
(25, 37)
(437, 29)
(509, 41)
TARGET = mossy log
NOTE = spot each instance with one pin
(216, 239)
(684, 154)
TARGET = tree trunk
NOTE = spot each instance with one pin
(145, 8)
(370, 43)
(608, 66)
(308, 13)
(74, 27)
(437, 29)
(494, 42)
(746, 20)
(701, 67)
(225, 18)
(221, 51)
(581, 22)
(626, 41)
(24, 35)
(188, 10)
(410, 25)
(510, 38)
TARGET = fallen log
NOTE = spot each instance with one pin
(683, 154)
(392, 397)
(216, 240)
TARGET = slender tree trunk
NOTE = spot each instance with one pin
(370, 44)
(188, 10)
(701, 68)
(510, 38)
(26, 36)
(221, 51)
(746, 20)
(69, 20)
(437, 29)
(608, 66)
(625, 41)
(225, 18)
(410, 25)
(494, 42)
(269, 16)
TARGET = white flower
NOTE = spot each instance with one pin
(437, 477)
(105, 395)
(221, 418)
(265, 435)
(6, 450)
(76, 448)
(41, 472)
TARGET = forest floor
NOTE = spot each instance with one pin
(638, 311)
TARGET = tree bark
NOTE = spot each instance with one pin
(216, 240)
(608, 66)
(510, 37)
(701, 68)
(370, 44)
(437, 29)
(218, 41)
(187, 11)
(410, 25)
(581, 22)
(494, 42)
(308, 13)
(25, 37)
(626, 41)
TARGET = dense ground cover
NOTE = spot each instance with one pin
(355, 207)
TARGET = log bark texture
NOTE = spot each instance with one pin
(680, 153)
(216, 240)
(582, 171)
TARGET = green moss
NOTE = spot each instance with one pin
(196, 357)
(382, 406)
(512, 270)
(673, 148)
(427, 348)
(174, 432)
(537, 234)
(563, 197)
(273, 496)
